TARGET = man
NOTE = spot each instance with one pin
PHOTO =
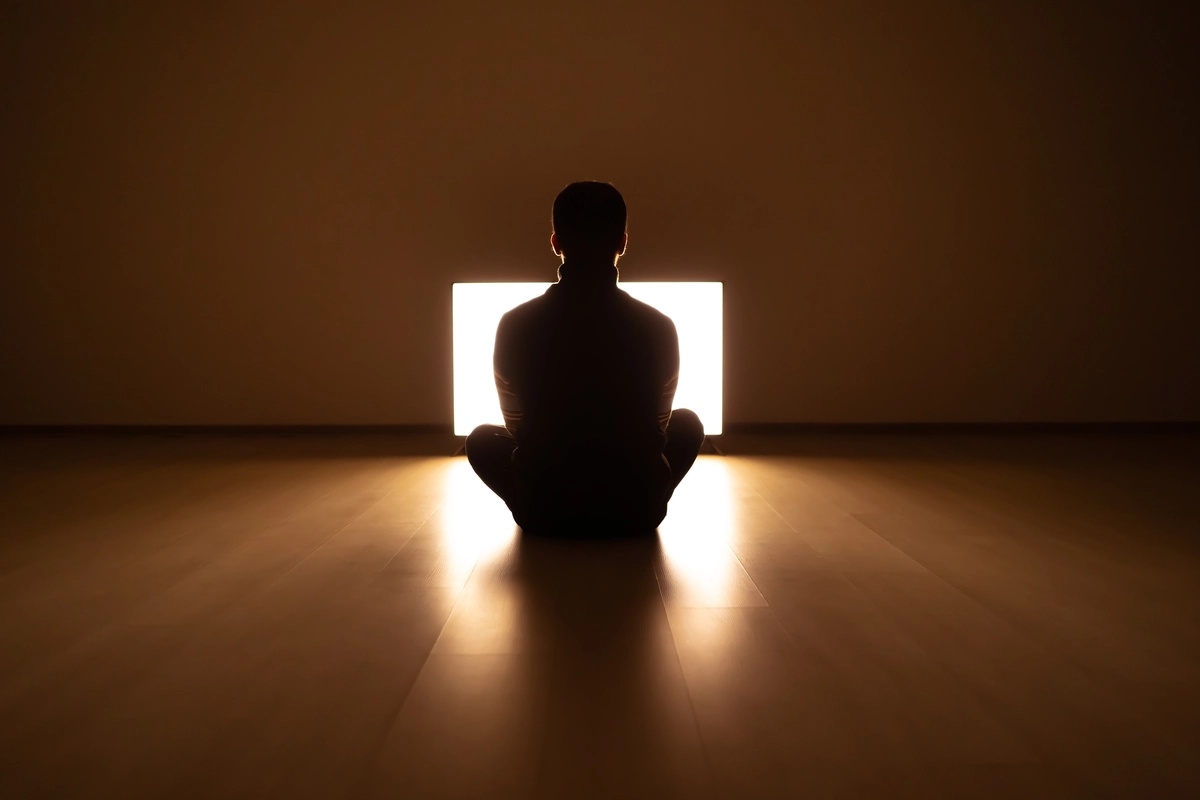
(586, 376)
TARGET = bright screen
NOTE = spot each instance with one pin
(694, 307)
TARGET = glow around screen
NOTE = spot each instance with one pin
(694, 307)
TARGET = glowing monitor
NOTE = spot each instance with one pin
(694, 307)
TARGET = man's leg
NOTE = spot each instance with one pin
(490, 449)
(685, 435)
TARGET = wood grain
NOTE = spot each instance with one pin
(828, 616)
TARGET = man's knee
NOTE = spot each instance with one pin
(484, 440)
(476, 436)
(685, 424)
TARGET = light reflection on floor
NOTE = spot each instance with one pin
(475, 526)
(696, 533)
(474, 523)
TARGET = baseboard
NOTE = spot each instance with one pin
(959, 428)
(228, 430)
(730, 428)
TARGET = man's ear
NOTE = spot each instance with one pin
(624, 244)
(554, 244)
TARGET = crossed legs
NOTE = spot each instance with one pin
(490, 449)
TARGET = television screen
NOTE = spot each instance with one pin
(696, 309)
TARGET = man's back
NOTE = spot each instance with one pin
(586, 375)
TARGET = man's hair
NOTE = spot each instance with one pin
(589, 217)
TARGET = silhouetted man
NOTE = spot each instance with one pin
(586, 377)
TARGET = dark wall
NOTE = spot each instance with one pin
(922, 211)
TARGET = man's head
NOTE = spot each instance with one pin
(589, 222)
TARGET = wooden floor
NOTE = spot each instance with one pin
(866, 616)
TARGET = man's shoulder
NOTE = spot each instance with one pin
(528, 310)
(647, 312)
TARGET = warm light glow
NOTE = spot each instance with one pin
(473, 523)
(695, 308)
(473, 529)
(695, 536)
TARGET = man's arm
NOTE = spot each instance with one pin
(671, 373)
(502, 368)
